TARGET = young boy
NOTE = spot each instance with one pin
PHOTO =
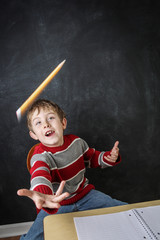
(58, 164)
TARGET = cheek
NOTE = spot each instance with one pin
(60, 129)
(37, 131)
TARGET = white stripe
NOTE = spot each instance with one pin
(86, 150)
(107, 164)
(71, 196)
(41, 168)
(67, 147)
(79, 184)
(55, 183)
(100, 159)
(75, 175)
(53, 168)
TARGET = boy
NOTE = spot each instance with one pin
(58, 183)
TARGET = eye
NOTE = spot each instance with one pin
(37, 123)
(51, 118)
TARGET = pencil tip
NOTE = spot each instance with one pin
(61, 64)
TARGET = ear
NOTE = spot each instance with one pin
(33, 135)
(64, 123)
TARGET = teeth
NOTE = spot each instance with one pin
(47, 133)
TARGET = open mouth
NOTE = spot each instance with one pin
(49, 133)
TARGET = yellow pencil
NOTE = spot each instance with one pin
(36, 93)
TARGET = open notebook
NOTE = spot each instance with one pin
(135, 224)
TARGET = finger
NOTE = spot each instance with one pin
(114, 154)
(115, 149)
(20, 192)
(51, 205)
(59, 198)
(24, 192)
(116, 144)
(39, 203)
(60, 189)
(110, 159)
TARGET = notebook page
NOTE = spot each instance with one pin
(121, 226)
(151, 216)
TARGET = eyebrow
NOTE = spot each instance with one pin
(36, 118)
(51, 113)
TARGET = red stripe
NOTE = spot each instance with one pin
(92, 155)
(39, 164)
(71, 170)
(43, 189)
(41, 173)
(56, 176)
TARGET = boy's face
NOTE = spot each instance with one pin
(47, 127)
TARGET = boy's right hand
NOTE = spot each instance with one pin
(44, 200)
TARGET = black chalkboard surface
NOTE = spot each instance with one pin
(109, 88)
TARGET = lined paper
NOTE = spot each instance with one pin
(121, 226)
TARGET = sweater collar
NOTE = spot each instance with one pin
(56, 149)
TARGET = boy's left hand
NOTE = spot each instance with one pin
(114, 153)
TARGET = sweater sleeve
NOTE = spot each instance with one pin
(41, 178)
(94, 158)
(40, 174)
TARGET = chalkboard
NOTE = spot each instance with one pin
(109, 88)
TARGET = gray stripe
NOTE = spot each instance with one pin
(45, 157)
(40, 180)
(63, 158)
(38, 157)
(73, 184)
(73, 152)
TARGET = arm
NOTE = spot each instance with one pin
(41, 179)
(41, 190)
(103, 159)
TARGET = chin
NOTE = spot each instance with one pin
(51, 144)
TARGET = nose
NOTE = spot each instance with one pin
(46, 124)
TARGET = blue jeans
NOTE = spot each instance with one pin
(94, 199)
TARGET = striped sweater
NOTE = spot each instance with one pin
(51, 165)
